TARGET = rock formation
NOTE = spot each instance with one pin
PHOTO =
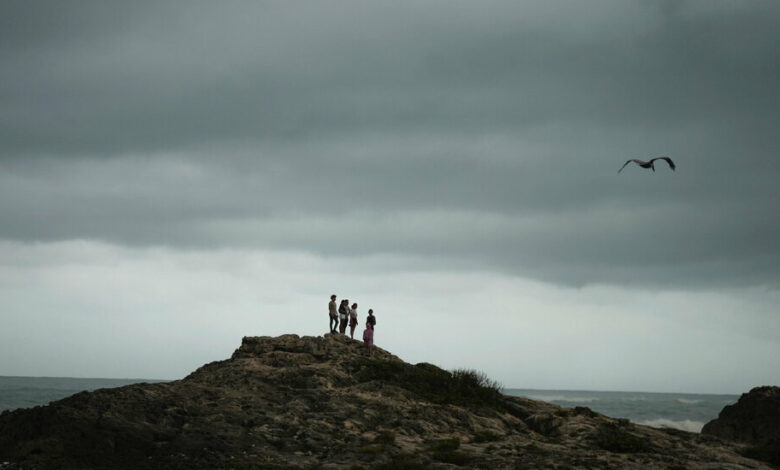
(292, 402)
(755, 420)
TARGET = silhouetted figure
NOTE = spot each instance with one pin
(343, 314)
(368, 337)
(333, 313)
(353, 320)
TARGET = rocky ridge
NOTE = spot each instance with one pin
(754, 420)
(319, 402)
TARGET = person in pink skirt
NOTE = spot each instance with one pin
(368, 337)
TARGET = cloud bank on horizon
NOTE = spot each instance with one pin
(438, 137)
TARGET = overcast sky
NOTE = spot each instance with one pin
(172, 179)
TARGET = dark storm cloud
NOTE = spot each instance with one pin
(248, 71)
(255, 124)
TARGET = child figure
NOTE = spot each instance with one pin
(368, 337)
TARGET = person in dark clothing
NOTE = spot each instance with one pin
(333, 313)
(371, 320)
(343, 316)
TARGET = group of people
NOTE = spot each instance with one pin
(345, 315)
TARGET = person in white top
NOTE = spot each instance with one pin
(333, 313)
(353, 320)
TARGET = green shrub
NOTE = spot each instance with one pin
(469, 378)
(485, 436)
(446, 445)
(460, 387)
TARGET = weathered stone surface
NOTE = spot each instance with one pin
(292, 402)
(754, 419)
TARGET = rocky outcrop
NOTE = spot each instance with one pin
(303, 402)
(755, 420)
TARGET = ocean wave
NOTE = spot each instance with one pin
(684, 425)
(563, 398)
(688, 401)
(633, 398)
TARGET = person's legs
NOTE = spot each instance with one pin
(334, 322)
(352, 331)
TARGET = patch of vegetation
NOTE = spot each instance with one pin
(476, 379)
(454, 457)
(380, 415)
(534, 449)
(402, 462)
(372, 449)
(446, 450)
(445, 445)
(385, 437)
(485, 436)
(614, 439)
(459, 387)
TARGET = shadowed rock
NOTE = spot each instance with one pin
(320, 402)
(755, 420)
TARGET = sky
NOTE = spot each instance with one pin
(173, 178)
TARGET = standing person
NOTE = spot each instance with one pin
(333, 313)
(368, 337)
(343, 313)
(371, 320)
(352, 320)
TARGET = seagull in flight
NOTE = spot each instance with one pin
(649, 164)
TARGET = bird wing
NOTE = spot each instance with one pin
(629, 161)
(668, 160)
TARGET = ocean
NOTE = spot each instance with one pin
(26, 392)
(685, 411)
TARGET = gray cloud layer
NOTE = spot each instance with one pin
(483, 134)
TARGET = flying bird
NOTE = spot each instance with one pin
(649, 164)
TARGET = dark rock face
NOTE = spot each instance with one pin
(294, 403)
(755, 420)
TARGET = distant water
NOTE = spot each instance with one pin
(686, 411)
(26, 392)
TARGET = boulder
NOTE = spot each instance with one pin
(754, 420)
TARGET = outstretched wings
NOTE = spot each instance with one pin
(668, 160)
(635, 160)
(649, 164)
